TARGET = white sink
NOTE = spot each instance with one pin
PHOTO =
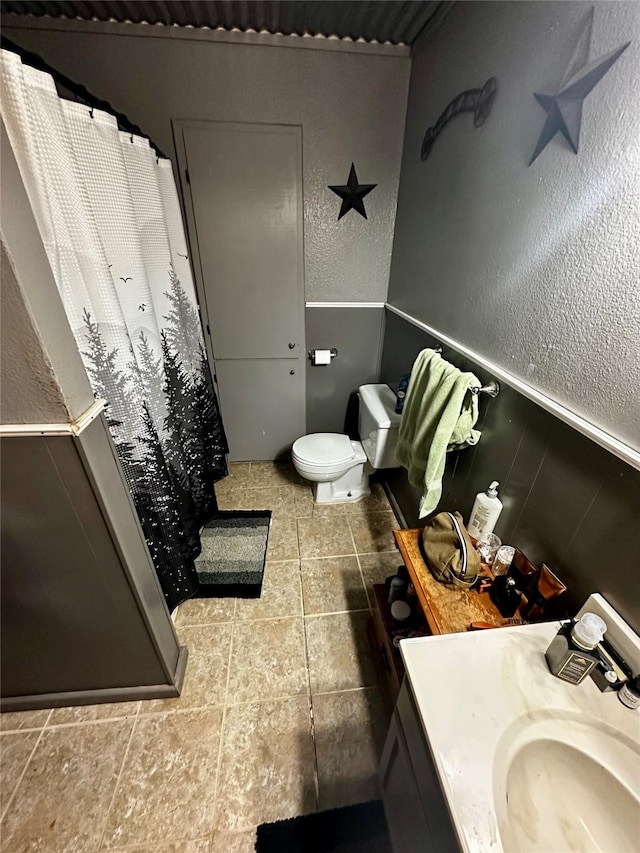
(567, 783)
(526, 762)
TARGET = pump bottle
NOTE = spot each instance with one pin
(485, 512)
(572, 653)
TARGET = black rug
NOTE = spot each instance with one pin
(353, 829)
(234, 549)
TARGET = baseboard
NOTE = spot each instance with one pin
(100, 697)
(395, 506)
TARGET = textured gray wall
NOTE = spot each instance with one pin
(29, 391)
(351, 107)
(567, 502)
(357, 335)
(58, 381)
(534, 268)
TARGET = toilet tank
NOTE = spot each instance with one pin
(378, 425)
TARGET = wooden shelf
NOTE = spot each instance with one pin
(446, 609)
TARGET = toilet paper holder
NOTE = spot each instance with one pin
(333, 352)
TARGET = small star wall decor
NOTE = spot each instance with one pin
(564, 108)
(352, 194)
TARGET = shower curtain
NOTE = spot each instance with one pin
(109, 216)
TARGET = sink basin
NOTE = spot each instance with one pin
(568, 788)
(530, 762)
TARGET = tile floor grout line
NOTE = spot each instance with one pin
(330, 557)
(348, 690)
(27, 728)
(188, 710)
(98, 722)
(266, 618)
(290, 560)
(312, 728)
(24, 769)
(364, 584)
(205, 624)
(353, 541)
(179, 841)
(23, 730)
(222, 726)
(299, 616)
(337, 612)
(118, 780)
(353, 554)
(284, 697)
(369, 610)
(366, 591)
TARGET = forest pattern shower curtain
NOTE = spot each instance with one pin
(109, 216)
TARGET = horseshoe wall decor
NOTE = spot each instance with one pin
(476, 101)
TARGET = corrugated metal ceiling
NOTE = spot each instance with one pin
(372, 20)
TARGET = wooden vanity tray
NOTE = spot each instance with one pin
(446, 609)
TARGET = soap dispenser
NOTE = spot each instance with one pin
(485, 512)
(572, 653)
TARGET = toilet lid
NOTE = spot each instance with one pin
(324, 448)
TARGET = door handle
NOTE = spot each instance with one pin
(291, 345)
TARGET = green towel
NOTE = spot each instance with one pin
(439, 415)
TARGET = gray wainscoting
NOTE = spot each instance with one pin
(83, 618)
(567, 502)
(357, 335)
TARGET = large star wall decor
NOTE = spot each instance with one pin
(352, 194)
(564, 108)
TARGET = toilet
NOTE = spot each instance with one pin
(338, 466)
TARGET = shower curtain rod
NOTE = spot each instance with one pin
(78, 90)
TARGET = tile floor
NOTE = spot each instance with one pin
(280, 713)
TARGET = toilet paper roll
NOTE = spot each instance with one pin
(322, 356)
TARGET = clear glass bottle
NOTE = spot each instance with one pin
(571, 654)
(503, 560)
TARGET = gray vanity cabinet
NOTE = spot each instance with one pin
(416, 811)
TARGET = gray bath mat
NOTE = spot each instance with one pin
(234, 549)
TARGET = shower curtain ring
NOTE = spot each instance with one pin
(131, 138)
(91, 113)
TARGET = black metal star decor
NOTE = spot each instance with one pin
(564, 108)
(352, 194)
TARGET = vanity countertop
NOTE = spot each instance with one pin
(481, 695)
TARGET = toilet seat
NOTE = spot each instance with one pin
(337, 466)
(324, 450)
